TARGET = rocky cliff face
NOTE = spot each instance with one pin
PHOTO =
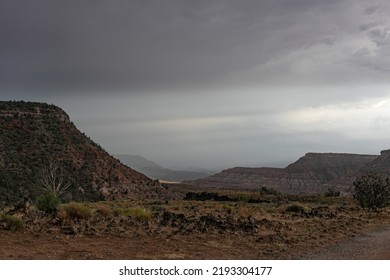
(34, 134)
(313, 173)
(380, 164)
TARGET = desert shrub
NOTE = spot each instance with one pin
(103, 210)
(295, 208)
(325, 200)
(228, 208)
(48, 202)
(243, 198)
(53, 178)
(372, 191)
(11, 222)
(157, 208)
(61, 214)
(269, 191)
(332, 193)
(140, 214)
(75, 210)
(244, 212)
(271, 210)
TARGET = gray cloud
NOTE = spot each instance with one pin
(164, 44)
(370, 10)
(212, 81)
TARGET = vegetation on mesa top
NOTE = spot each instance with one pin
(26, 105)
(16, 109)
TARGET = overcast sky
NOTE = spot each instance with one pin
(201, 83)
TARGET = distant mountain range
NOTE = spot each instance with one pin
(156, 171)
(313, 173)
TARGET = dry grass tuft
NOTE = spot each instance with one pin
(103, 210)
(11, 223)
(140, 214)
(74, 210)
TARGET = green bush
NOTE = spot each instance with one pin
(11, 222)
(372, 191)
(48, 202)
(76, 210)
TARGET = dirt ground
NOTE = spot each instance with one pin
(28, 246)
(25, 246)
(318, 229)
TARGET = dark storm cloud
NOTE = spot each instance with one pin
(375, 54)
(371, 9)
(154, 44)
(258, 78)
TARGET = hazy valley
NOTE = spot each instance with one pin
(157, 172)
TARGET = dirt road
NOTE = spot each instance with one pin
(374, 245)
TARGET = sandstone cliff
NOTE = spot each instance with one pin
(380, 164)
(312, 173)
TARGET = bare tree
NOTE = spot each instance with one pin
(53, 179)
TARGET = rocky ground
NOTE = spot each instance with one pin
(273, 227)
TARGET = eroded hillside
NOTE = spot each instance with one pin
(34, 134)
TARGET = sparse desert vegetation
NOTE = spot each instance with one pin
(222, 224)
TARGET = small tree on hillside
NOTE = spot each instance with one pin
(53, 179)
(54, 183)
(372, 191)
